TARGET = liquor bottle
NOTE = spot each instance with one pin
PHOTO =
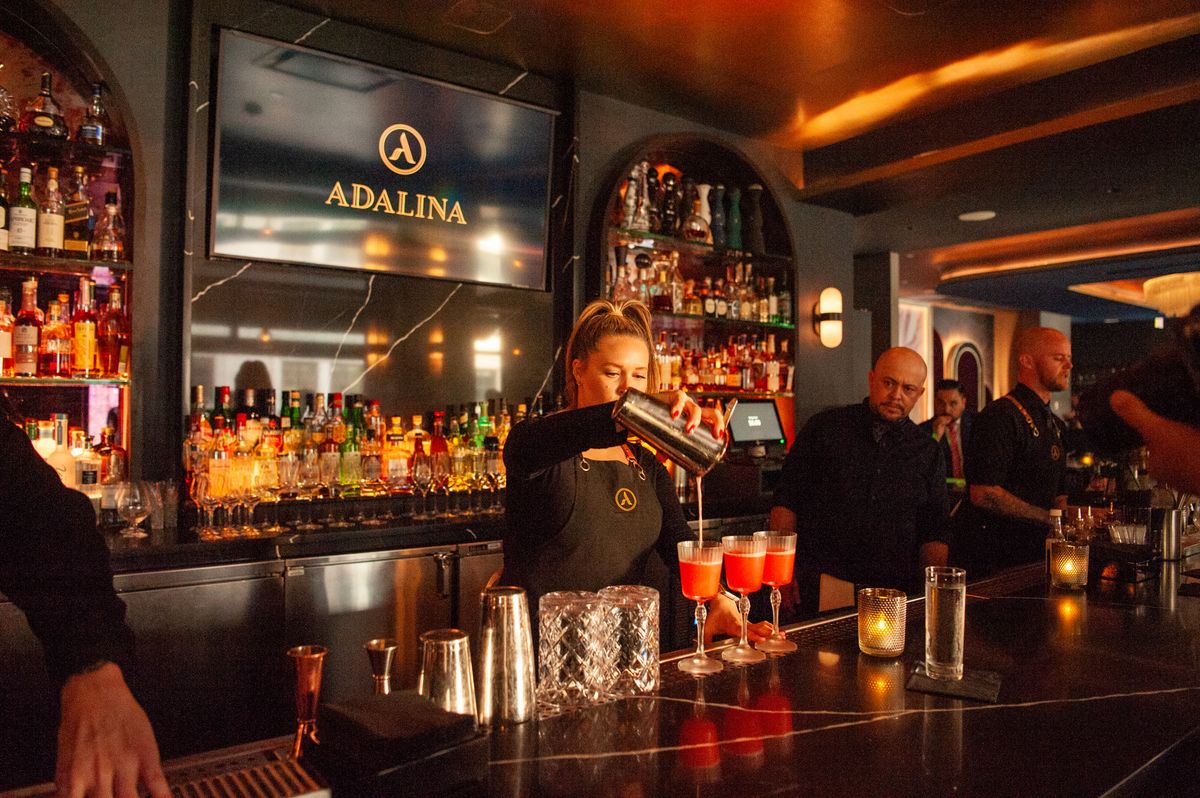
(272, 432)
(222, 408)
(77, 217)
(772, 302)
(709, 298)
(87, 467)
(785, 301)
(3, 210)
(83, 332)
(57, 344)
(108, 237)
(437, 440)
(292, 425)
(198, 437)
(94, 128)
(60, 459)
(6, 340)
(395, 455)
(42, 116)
(22, 217)
(27, 332)
(722, 302)
(249, 428)
(314, 425)
(51, 221)
(113, 337)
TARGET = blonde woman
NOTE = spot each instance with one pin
(585, 507)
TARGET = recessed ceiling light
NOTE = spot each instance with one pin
(976, 216)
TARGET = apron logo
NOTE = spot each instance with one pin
(1055, 452)
(625, 499)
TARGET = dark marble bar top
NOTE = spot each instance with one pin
(1100, 694)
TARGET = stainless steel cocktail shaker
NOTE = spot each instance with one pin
(650, 419)
(506, 664)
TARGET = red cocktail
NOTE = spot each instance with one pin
(744, 572)
(700, 579)
(781, 561)
(745, 556)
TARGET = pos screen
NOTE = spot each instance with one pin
(755, 422)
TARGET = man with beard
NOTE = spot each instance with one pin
(1016, 463)
(864, 489)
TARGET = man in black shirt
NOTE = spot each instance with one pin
(864, 488)
(1016, 462)
(54, 567)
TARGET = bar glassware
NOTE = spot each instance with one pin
(422, 478)
(633, 619)
(506, 666)
(572, 666)
(745, 557)
(133, 505)
(700, 577)
(777, 571)
(1068, 564)
(882, 613)
(446, 677)
(308, 661)
(381, 652)
(945, 619)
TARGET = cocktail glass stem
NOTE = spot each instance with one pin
(776, 600)
(701, 617)
(744, 611)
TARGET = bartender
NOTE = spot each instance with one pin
(1016, 462)
(54, 566)
(585, 507)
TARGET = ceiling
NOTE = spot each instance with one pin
(1075, 121)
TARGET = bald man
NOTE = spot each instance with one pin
(864, 488)
(1016, 465)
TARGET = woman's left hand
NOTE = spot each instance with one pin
(724, 618)
(685, 406)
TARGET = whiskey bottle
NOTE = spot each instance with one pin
(6, 340)
(27, 332)
(51, 221)
(94, 128)
(22, 221)
(3, 211)
(54, 350)
(113, 337)
(42, 117)
(77, 217)
(108, 239)
(83, 330)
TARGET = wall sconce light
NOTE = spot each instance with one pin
(827, 317)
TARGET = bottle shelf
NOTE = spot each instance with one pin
(737, 393)
(642, 239)
(61, 382)
(718, 320)
(64, 149)
(10, 261)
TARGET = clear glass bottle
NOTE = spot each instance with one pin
(112, 344)
(51, 220)
(27, 332)
(60, 459)
(6, 340)
(56, 345)
(94, 128)
(108, 237)
(42, 116)
(83, 332)
(22, 221)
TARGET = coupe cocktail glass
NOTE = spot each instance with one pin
(745, 557)
(700, 577)
(777, 571)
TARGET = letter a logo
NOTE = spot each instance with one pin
(402, 149)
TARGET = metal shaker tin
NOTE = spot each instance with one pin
(650, 419)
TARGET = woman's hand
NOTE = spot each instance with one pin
(685, 406)
(724, 618)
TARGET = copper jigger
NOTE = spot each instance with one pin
(381, 651)
(307, 660)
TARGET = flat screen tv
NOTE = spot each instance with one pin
(323, 160)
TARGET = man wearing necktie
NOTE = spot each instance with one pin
(951, 428)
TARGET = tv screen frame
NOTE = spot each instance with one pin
(439, 233)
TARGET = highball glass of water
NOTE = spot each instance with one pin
(945, 618)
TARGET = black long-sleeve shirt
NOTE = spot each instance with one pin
(54, 563)
(866, 495)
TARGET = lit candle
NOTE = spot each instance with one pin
(881, 617)
(1068, 564)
